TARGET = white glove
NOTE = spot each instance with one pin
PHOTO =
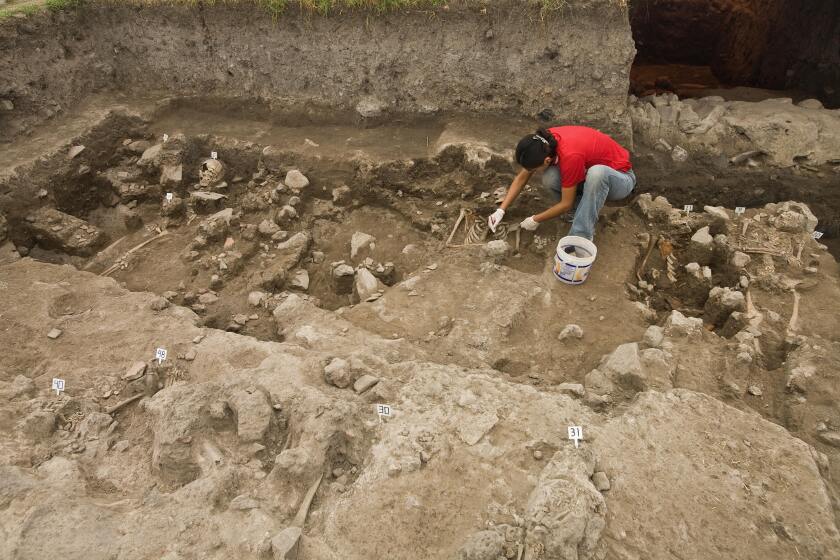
(529, 224)
(495, 219)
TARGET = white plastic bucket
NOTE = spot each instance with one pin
(571, 268)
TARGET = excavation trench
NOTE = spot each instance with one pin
(319, 185)
(402, 183)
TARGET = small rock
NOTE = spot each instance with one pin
(370, 107)
(296, 180)
(341, 195)
(722, 302)
(121, 446)
(810, 104)
(679, 324)
(366, 285)
(718, 212)
(538, 455)
(255, 299)
(74, 151)
(496, 249)
(159, 304)
(570, 331)
(740, 260)
(679, 154)
(744, 357)
(208, 298)
(830, 438)
(654, 337)
(54, 333)
(364, 383)
(361, 245)
(299, 281)
(702, 236)
(6, 105)
(267, 228)
(755, 390)
(136, 371)
(575, 389)
(601, 481)
(338, 374)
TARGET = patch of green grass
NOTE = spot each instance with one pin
(62, 4)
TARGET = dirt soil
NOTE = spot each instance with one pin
(303, 278)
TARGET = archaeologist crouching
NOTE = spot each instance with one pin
(571, 158)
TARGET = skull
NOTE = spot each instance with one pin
(212, 172)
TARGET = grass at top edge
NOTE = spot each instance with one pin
(277, 7)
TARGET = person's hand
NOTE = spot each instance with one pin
(495, 219)
(529, 224)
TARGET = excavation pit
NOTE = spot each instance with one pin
(350, 355)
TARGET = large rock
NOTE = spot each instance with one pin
(678, 324)
(725, 478)
(701, 247)
(253, 414)
(217, 226)
(296, 180)
(483, 545)
(721, 304)
(366, 285)
(291, 251)
(566, 513)
(57, 230)
(632, 370)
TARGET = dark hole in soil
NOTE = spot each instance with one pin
(705, 47)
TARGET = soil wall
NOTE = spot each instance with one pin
(571, 66)
(777, 44)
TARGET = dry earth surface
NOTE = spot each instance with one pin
(302, 270)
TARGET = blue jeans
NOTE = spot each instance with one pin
(602, 183)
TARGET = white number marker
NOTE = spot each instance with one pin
(165, 138)
(169, 197)
(576, 433)
(740, 210)
(817, 235)
(160, 354)
(383, 410)
(689, 208)
(214, 155)
(57, 385)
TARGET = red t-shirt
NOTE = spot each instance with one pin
(581, 147)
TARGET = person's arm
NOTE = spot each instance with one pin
(567, 202)
(516, 187)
